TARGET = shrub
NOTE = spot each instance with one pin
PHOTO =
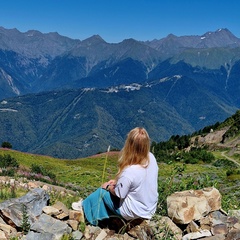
(222, 162)
(8, 165)
(38, 169)
(8, 172)
(6, 145)
(8, 161)
(25, 221)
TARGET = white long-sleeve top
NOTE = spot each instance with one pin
(137, 188)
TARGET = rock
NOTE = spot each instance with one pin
(76, 215)
(63, 210)
(32, 185)
(46, 188)
(12, 182)
(34, 201)
(50, 210)
(236, 226)
(91, 231)
(101, 235)
(216, 237)
(232, 221)
(53, 222)
(140, 233)
(40, 236)
(234, 213)
(205, 223)
(2, 235)
(162, 224)
(48, 224)
(217, 217)
(192, 227)
(219, 229)
(8, 229)
(184, 207)
(197, 235)
(1, 220)
(77, 235)
(61, 207)
(73, 224)
(213, 197)
(233, 235)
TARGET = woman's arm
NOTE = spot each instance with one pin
(111, 189)
(110, 186)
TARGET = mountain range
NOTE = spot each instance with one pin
(70, 98)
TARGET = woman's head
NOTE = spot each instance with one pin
(136, 149)
(137, 143)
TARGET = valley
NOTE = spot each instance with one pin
(68, 98)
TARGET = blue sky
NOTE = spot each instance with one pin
(116, 20)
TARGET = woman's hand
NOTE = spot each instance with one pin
(104, 185)
(111, 189)
(110, 185)
(112, 182)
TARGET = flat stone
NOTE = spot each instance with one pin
(39, 236)
(2, 235)
(48, 224)
(196, 235)
(219, 229)
(8, 229)
(77, 235)
(49, 210)
(76, 215)
(101, 235)
(192, 227)
(73, 224)
(61, 207)
(216, 237)
(234, 234)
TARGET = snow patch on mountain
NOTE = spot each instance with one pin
(8, 110)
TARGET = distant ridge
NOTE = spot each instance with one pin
(71, 98)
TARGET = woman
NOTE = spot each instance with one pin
(133, 194)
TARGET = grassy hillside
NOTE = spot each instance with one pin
(80, 172)
(90, 171)
(86, 174)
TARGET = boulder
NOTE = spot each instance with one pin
(186, 206)
(47, 224)
(40, 236)
(197, 235)
(11, 211)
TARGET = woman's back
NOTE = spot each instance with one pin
(137, 190)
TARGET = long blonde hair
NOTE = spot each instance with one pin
(135, 151)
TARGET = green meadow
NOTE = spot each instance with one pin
(86, 174)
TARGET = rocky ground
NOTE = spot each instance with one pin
(198, 216)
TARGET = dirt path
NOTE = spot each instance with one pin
(231, 159)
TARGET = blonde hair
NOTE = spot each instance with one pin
(135, 151)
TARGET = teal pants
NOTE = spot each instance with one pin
(100, 205)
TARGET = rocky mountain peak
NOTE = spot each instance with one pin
(95, 39)
(220, 38)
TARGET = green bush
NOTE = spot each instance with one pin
(8, 161)
(8, 164)
(8, 172)
(35, 168)
(222, 162)
(6, 145)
